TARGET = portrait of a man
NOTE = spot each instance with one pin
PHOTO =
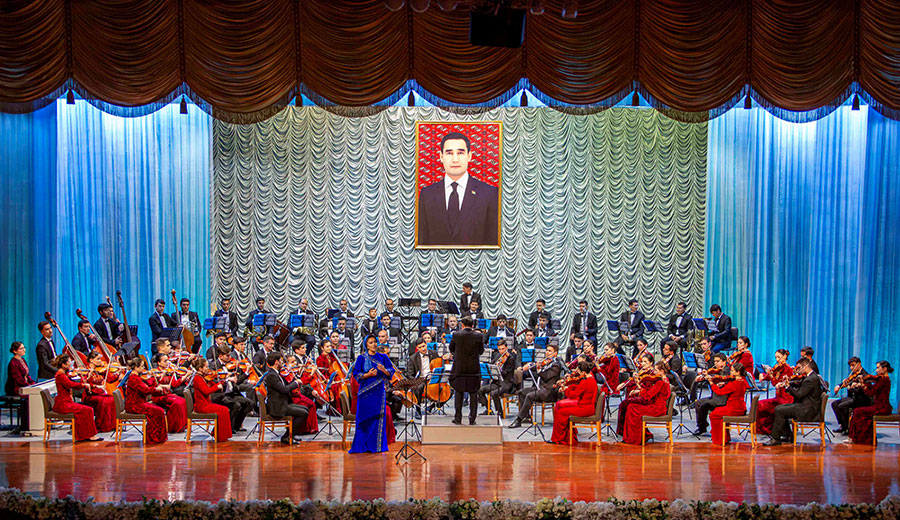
(457, 209)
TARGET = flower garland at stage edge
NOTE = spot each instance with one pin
(14, 504)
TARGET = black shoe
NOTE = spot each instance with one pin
(516, 424)
(773, 442)
(241, 429)
(456, 421)
(698, 432)
(840, 430)
(471, 422)
(297, 438)
(285, 440)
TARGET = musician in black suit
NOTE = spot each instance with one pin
(807, 405)
(473, 312)
(547, 374)
(584, 323)
(308, 339)
(344, 333)
(343, 311)
(807, 353)
(46, 351)
(369, 326)
(389, 308)
(543, 330)
(673, 361)
(260, 309)
(107, 327)
(231, 396)
(385, 324)
(419, 364)
(158, 321)
(679, 325)
(231, 319)
(721, 340)
(430, 309)
(501, 330)
(452, 327)
(458, 209)
(507, 382)
(259, 359)
(278, 399)
(541, 308)
(81, 340)
(468, 296)
(465, 376)
(631, 323)
(190, 320)
(856, 397)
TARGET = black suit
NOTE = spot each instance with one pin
(259, 360)
(45, 354)
(591, 321)
(465, 376)
(279, 402)
(254, 312)
(544, 333)
(674, 328)
(545, 392)
(309, 339)
(414, 369)
(194, 328)
(506, 385)
(478, 221)
(533, 318)
(108, 336)
(465, 301)
(510, 336)
(231, 397)
(856, 398)
(634, 326)
(807, 406)
(231, 320)
(478, 315)
(722, 339)
(157, 326)
(392, 314)
(368, 327)
(81, 343)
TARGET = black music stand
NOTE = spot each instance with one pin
(447, 307)
(410, 302)
(686, 393)
(534, 423)
(329, 428)
(406, 451)
(483, 324)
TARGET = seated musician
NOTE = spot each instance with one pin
(641, 348)
(540, 307)
(389, 308)
(807, 353)
(527, 344)
(690, 374)
(505, 359)
(585, 351)
(430, 309)
(717, 374)
(543, 329)
(743, 355)
(579, 390)
(385, 325)
(547, 374)
(584, 323)
(206, 383)
(170, 375)
(82, 340)
(304, 394)
(608, 369)
(307, 337)
(721, 338)
(17, 375)
(500, 330)
(279, 402)
(231, 396)
(419, 365)
(631, 324)
(298, 355)
(326, 361)
(344, 312)
(239, 348)
(673, 361)
(473, 311)
(138, 389)
(174, 405)
(384, 346)
(220, 340)
(85, 426)
(231, 319)
(806, 405)
(96, 395)
(190, 320)
(45, 351)
(878, 388)
(451, 328)
(369, 326)
(260, 309)
(158, 321)
(734, 390)
(394, 397)
(575, 348)
(648, 395)
(765, 408)
(259, 359)
(678, 327)
(108, 327)
(856, 397)
(344, 334)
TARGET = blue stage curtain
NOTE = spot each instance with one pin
(802, 238)
(106, 203)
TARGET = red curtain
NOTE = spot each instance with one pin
(242, 60)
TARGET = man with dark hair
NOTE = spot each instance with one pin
(677, 329)
(107, 327)
(260, 309)
(278, 399)
(465, 375)
(468, 296)
(721, 339)
(392, 332)
(309, 339)
(540, 307)
(389, 308)
(370, 324)
(631, 327)
(501, 330)
(807, 405)
(46, 351)
(546, 376)
(259, 359)
(231, 395)
(190, 320)
(158, 321)
(544, 330)
(81, 341)
(473, 311)
(459, 209)
(856, 397)
(584, 323)
(506, 360)
(231, 319)
(807, 353)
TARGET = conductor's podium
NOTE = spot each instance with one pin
(438, 429)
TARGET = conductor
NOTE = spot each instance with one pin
(465, 376)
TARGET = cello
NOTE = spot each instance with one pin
(187, 335)
(99, 345)
(79, 358)
(438, 392)
(129, 339)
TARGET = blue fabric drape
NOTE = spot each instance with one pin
(801, 237)
(100, 203)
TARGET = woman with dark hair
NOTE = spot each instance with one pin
(17, 375)
(608, 364)
(580, 401)
(85, 428)
(206, 383)
(765, 409)
(735, 405)
(174, 405)
(373, 371)
(136, 393)
(649, 398)
(878, 387)
(96, 395)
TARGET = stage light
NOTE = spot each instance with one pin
(536, 7)
(524, 100)
(635, 99)
(419, 6)
(298, 101)
(570, 9)
(395, 5)
(411, 101)
(183, 108)
(855, 102)
(748, 103)
(70, 97)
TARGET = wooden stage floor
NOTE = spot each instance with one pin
(522, 470)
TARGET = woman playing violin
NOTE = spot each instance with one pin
(734, 405)
(163, 376)
(580, 390)
(327, 363)
(66, 381)
(878, 387)
(205, 383)
(652, 394)
(765, 409)
(140, 385)
(96, 396)
(608, 365)
(168, 374)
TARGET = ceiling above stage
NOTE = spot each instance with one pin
(244, 61)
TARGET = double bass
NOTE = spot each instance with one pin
(79, 358)
(131, 343)
(187, 335)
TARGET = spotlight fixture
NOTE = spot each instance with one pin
(748, 103)
(855, 102)
(570, 9)
(411, 101)
(523, 101)
(183, 106)
(70, 97)
(635, 99)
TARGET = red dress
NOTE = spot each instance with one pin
(136, 392)
(324, 362)
(175, 407)
(765, 409)
(746, 359)
(733, 406)
(104, 405)
(85, 428)
(861, 420)
(580, 401)
(652, 401)
(610, 370)
(202, 404)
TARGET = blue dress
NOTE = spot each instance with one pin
(371, 420)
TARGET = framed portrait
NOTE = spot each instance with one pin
(458, 184)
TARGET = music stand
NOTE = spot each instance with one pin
(296, 321)
(534, 424)
(684, 390)
(406, 451)
(431, 321)
(555, 324)
(654, 326)
(700, 324)
(692, 360)
(483, 324)
(264, 320)
(410, 302)
(219, 323)
(447, 307)
(493, 341)
(330, 428)
(541, 342)
(626, 362)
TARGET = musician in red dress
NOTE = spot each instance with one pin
(878, 387)
(742, 355)
(765, 409)
(609, 369)
(163, 377)
(327, 362)
(580, 401)
(735, 389)
(97, 396)
(85, 427)
(205, 383)
(137, 390)
(629, 389)
(649, 397)
(17, 375)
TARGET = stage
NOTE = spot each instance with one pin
(515, 470)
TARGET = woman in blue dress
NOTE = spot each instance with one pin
(372, 370)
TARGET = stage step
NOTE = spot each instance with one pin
(438, 429)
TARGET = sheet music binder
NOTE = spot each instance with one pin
(612, 326)
(447, 307)
(700, 324)
(264, 320)
(528, 355)
(653, 326)
(626, 362)
(302, 320)
(492, 342)
(541, 342)
(483, 324)
(219, 323)
(394, 324)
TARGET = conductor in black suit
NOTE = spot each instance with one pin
(465, 376)
(458, 210)
(807, 405)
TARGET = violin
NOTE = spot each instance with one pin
(571, 379)
(849, 379)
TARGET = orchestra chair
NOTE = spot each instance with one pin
(52, 418)
(743, 423)
(813, 425)
(349, 418)
(204, 421)
(883, 421)
(660, 421)
(504, 400)
(267, 422)
(17, 403)
(594, 422)
(125, 419)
